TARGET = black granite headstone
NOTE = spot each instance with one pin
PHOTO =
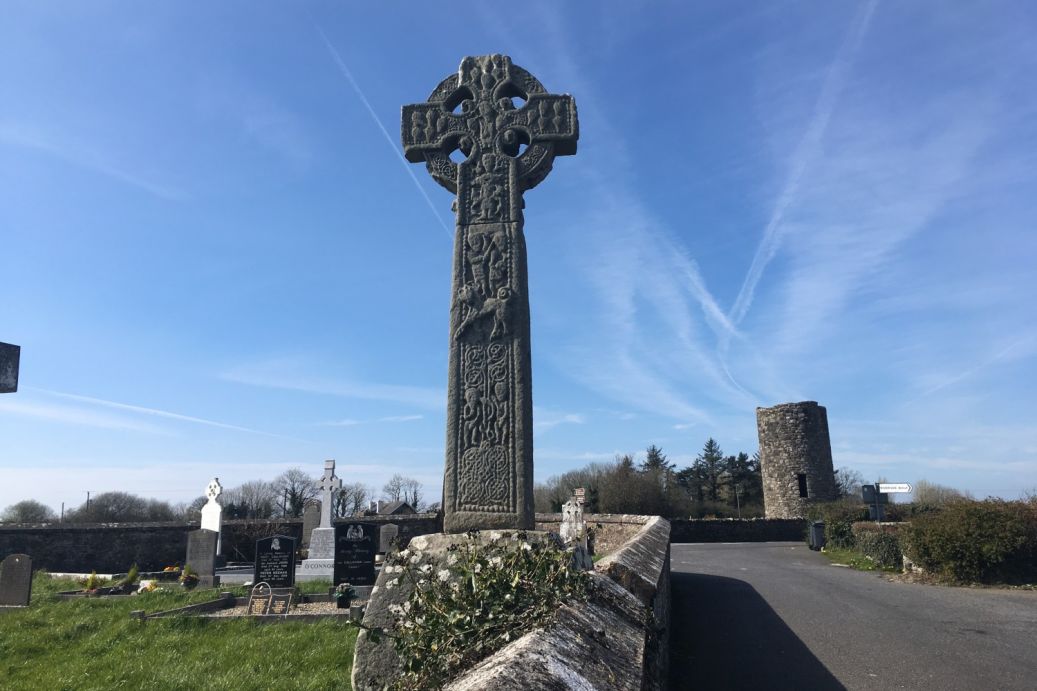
(201, 556)
(355, 547)
(9, 356)
(16, 580)
(275, 561)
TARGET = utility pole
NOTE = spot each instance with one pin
(62, 513)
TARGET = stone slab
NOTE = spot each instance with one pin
(322, 543)
(386, 535)
(201, 556)
(316, 570)
(16, 580)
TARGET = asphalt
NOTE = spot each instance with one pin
(776, 615)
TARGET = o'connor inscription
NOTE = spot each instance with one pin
(508, 130)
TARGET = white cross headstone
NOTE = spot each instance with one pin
(212, 512)
(320, 560)
(329, 485)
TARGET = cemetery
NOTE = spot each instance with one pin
(480, 588)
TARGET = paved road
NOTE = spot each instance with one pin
(775, 615)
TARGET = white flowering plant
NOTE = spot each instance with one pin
(490, 590)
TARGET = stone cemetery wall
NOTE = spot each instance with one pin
(113, 547)
(612, 530)
(738, 530)
(607, 530)
(618, 639)
(795, 458)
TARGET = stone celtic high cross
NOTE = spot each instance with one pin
(508, 147)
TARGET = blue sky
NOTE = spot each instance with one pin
(217, 263)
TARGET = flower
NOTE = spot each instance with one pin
(426, 568)
(451, 559)
(526, 546)
(496, 561)
(443, 574)
(415, 559)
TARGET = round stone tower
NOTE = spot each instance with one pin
(795, 458)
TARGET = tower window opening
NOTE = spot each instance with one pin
(802, 477)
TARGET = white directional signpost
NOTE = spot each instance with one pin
(878, 494)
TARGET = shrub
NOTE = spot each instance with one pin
(839, 517)
(485, 595)
(131, 576)
(880, 543)
(93, 581)
(982, 541)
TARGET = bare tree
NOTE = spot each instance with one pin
(294, 488)
(116, 507)
(849, 482)
(27, 511)
(352, 499)
(393, 489)
(925, 492)
(254, 499)
(412, 493)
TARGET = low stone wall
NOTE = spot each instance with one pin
(113, 547)
(606, 531)
(738, 530)
(618, 639)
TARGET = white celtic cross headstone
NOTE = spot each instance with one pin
(329, 486)
(212, 512)
(321, 555)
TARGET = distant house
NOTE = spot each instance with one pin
(394, 508)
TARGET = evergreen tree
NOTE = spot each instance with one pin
(707, 468)
(655, 460)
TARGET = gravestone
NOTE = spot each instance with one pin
(201, 556)
(573, 531)
(488, 481)
(355, 547)
(386, 535)
(15, 580)
(275, 561)
(212, 512)
(310, 520)
(9, 357)
(320, 561)
(259, 599)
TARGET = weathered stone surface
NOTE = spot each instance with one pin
(201, 556)
(376, 664)
(488, 482)
(212, 512)
(15, 580)
(642, 561)
(9, 358)
(599, 644)
(310, 520)
(794, 441)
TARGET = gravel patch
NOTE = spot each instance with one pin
(300, 608)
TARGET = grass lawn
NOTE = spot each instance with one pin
(92, 643)
(853, 559)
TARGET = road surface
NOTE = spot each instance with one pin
(775, 615)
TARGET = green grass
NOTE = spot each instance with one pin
(852, 558)
(92, 643)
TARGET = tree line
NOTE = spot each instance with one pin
(714, 484)
(283, 497)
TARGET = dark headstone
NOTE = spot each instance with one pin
(310, 520)
(16, 580)
(259, 599)
(388, 533)
(488, 481)
(355, 547)
(9, 356)
(201, 556)
(275, 561)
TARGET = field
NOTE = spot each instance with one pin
(92, 643)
